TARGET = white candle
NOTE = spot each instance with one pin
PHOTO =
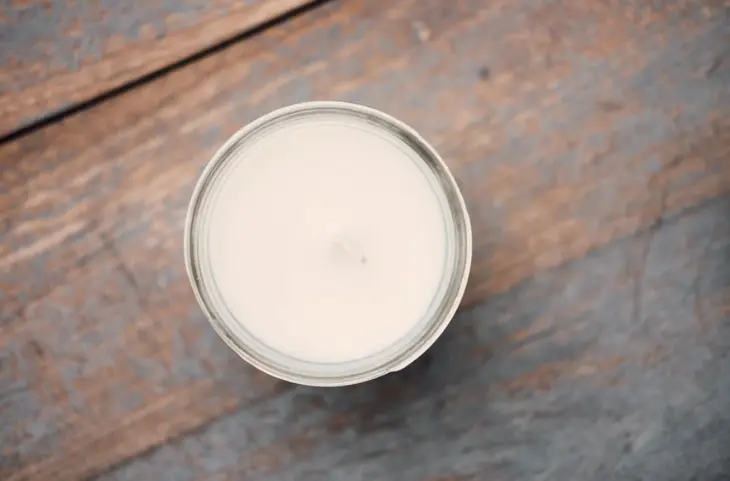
(328, 239)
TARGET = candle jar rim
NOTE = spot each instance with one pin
(275, 363)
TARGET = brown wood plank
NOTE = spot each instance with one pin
(56, 54)
(570, 128)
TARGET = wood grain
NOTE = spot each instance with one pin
(56, 54)
(556, 379)
(591, 141)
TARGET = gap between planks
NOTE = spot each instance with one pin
(45, 120)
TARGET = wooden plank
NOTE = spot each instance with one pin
(566, 137)
(56, 54)
(556, 379)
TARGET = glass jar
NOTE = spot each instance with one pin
(279, 364)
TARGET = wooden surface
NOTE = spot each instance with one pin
(592, 142)
(55, 54)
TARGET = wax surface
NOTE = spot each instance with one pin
(327, 240)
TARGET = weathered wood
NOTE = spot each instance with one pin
(562, 377)
(55, 54)
(585, 136)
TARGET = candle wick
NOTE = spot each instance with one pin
(344, 248)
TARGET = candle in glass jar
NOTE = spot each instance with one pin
(328, 239)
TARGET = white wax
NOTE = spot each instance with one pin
(327, 239)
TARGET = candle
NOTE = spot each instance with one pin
(328, 243)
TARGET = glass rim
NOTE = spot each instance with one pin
(398, 355)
